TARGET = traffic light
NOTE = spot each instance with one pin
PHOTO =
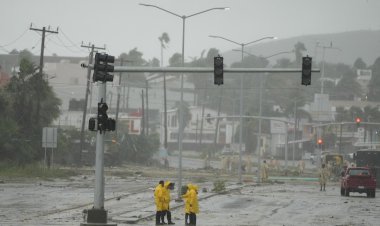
(218, 70)
(111, 124)
(103, 65)
(358, 121)
(92, 124)
(320, 143)
(306, 70)
(102, 116)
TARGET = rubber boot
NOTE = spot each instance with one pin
(169, 217)
(193, 219)
(163, 217)
(187, 219)
(158, 217)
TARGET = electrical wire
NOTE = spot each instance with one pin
(75, 45)
(5, 50)
(62, 44)
(10, 43)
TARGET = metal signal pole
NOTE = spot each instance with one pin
(91, 56)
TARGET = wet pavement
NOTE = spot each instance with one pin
(130, 199)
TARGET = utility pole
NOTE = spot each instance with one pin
(217, 119)
(91, 56)
(165, 116)
(142, 114)
(147, 107)
(202, 115)
(118, 97)
(43, 30)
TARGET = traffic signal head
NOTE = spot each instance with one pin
(103, 65)
(218, 70)
(320, 141)
(306, 70)
(92, 124)
(111, 124)
(358, 121)
(102, 116)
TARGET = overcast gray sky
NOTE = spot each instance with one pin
(124, 24)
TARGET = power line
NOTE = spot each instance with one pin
(15, 40)
(63, 45)
(71, 40)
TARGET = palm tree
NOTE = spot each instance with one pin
(299, 47)
(164, 40)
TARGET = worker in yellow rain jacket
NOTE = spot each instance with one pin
(323, 176)
(159, 200)
(187, 203)
(264, 171)
(193, 204)
(166, 204)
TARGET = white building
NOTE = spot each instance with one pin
(193, 129)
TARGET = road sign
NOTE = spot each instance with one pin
(49, 137)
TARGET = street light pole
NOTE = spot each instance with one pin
(181, 126)
(241, 96)
(323, 61)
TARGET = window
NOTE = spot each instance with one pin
(358, 172)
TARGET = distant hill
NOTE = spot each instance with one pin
(353, 44)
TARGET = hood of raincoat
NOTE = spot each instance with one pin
(167, 183)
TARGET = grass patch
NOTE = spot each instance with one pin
(8, 170)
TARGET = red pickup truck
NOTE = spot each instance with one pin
(358, 179)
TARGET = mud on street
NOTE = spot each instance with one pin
(129, 199)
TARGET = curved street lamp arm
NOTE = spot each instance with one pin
(214, 36)
(217, 8)
(269, 37)
(148, 5)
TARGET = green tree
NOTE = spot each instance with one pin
(23, 89)
(374, 84)
(347, 88)
(175, 60)
(133, 58)
(360, 64)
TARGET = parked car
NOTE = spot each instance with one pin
(358, 179)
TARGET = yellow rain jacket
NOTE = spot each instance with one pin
(323, 175)
(166, 196)
(158, 197)
(193, 199)
(186, 197)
